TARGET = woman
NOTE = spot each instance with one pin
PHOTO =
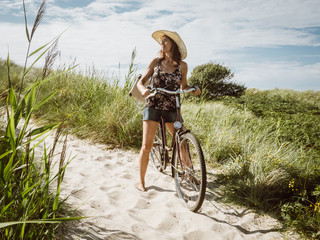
(166, 71)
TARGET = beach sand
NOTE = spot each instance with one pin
(101, 183)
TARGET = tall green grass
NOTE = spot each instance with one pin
(260, 168)
(95, 106)
(260, 165)
(28, 203)
(294, 118)
(264, 145)
(299, 113)
(30, 206)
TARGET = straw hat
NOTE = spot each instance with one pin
(158, 35)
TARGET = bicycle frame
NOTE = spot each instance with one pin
(178, 128)
(188, 166)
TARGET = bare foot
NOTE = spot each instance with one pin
(140, 187)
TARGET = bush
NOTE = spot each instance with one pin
(214, 79)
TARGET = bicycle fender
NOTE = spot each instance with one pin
(183, 132)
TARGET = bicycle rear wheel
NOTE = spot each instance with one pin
(157, 151)
(189, 172)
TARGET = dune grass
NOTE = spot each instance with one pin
(260, 165)
(94, 107)
(30, 206)
(30, 203)
(298, 112)
(265, 144)
(294, 118)
(265, 164)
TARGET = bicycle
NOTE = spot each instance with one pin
(188, 166)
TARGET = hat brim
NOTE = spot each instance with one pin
(158, 35)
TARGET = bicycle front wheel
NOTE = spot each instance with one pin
(157, 151)
(189, 172)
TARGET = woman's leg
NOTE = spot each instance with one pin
(170, 127)
(149, 132)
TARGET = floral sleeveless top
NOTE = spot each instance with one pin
(170, 81)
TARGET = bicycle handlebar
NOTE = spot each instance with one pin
(154, 91)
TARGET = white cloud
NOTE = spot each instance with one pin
(105, 32)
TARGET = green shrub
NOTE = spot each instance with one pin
(215, 81)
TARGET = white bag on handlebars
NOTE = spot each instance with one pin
(134, 92)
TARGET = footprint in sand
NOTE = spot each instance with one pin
(141, 204)
(83, 158)
(120, 154)
(104, 189)
(97, 206)
(231, 219)
(118, 199)
(108, 185)
(120, 163)
(114, 194)
(138, 227)
(80, 193)
(103, 158)
(109, 166)
(169, 223)
(127, 176)
(151, 194)
(82, 152)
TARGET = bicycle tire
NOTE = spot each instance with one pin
(191, 178)
(157, 151)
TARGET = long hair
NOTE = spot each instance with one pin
(175, 53)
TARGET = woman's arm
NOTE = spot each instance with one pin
(149, 71)
(184, 83)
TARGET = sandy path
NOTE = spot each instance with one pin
(101, 183)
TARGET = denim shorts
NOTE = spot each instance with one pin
(150, 113)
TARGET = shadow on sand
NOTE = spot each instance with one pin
(87, 231)
(213, 196)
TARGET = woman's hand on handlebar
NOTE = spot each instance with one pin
(146, 93)
(197, 91)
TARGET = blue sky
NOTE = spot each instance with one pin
(267, 44)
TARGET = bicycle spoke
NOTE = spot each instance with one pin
(156, 154)
(189, 172)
